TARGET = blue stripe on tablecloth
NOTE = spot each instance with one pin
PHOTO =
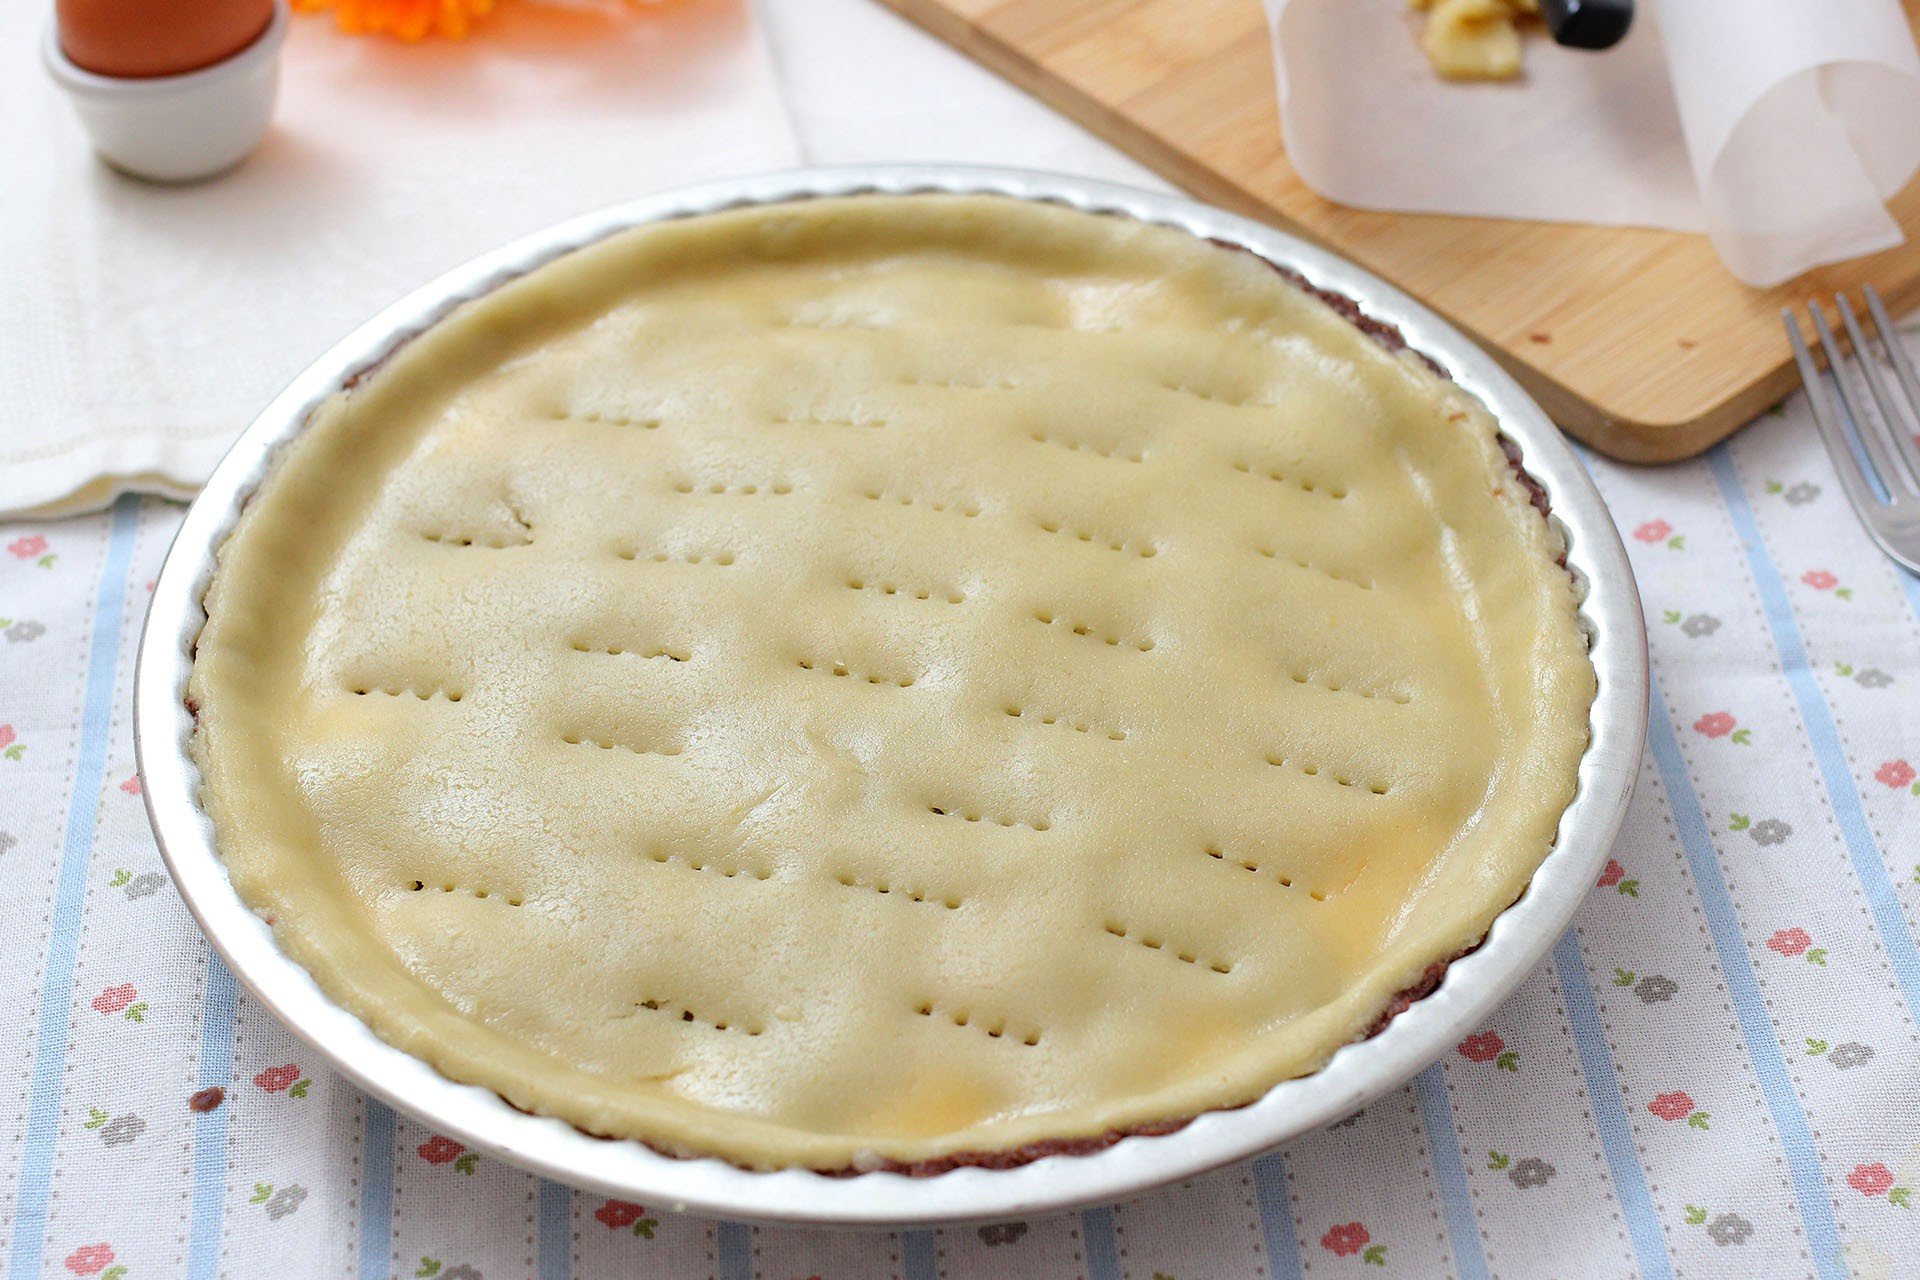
(1469, 1258)
(63, 945)
(376, 1191)
(1276, 1216)
(210, 1127)
(917, 1256)
(735, 1244)
(556, 1231)
(1736, 966)
(1817, 716)
(1103, 1248)
(1610, 1113)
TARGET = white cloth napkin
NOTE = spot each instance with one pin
(1778, 127)
(144, 326)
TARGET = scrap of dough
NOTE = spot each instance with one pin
(1474, 39)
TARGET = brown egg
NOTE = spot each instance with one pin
(157, 37)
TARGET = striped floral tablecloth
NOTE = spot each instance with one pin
(1716, 1073)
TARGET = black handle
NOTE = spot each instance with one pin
(1588, 24)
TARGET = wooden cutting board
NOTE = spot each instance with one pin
(1639, 342)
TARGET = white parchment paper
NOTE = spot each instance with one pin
(1777, 127)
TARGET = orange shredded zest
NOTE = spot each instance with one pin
(403, 19)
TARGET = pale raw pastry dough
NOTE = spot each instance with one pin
(887, 677)
(1474, 39)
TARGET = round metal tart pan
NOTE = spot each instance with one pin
(1358, 1073)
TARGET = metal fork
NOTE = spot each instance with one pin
(1876, 456)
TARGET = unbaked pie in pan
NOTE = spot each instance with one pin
(888, 681)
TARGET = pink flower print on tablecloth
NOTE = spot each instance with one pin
(114, 999)
(1715, 724)
(90, 1259)
(1677, 1105)
(1483, 1046)
(1823, 580)
(1790, 942)
(1614, 876)
(26, 549)
(1674, 1105)
(620, 1213)
(442, 1150)
(132, 785)
(439, 1150)
(1653, 531)
(274, 1079)
(1895, 774)
(1346, 1239)
(1795, 941)
(9, 746)
(1870, 1179)
(1487, 1046)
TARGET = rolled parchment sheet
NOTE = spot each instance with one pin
(1801, 120)
(1777, 127)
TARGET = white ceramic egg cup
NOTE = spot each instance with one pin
(177, 128)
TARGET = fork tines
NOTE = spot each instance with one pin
(1875, 454)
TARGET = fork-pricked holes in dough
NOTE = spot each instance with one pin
(718, 559)
(1142, 550)
(597, 418)
(721, 489)
(477, 541)
(993, 1028)
(693, 862)
(1271, 553)
(483, 539)
(448, 887)
(646, 651)
(846, 672)
(684, 1014)
(1079, 725)
(1087, 630)
(906, 892)
(1218, 854)
(955, 507)
(825, 420)
(972, 813)
(367, 689)
(1334, 684)
(945, 595)
(1212, 397)
(637, 749)
(1308, 769)
(1266, 471)
(1116, 452)
(1154, 942)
